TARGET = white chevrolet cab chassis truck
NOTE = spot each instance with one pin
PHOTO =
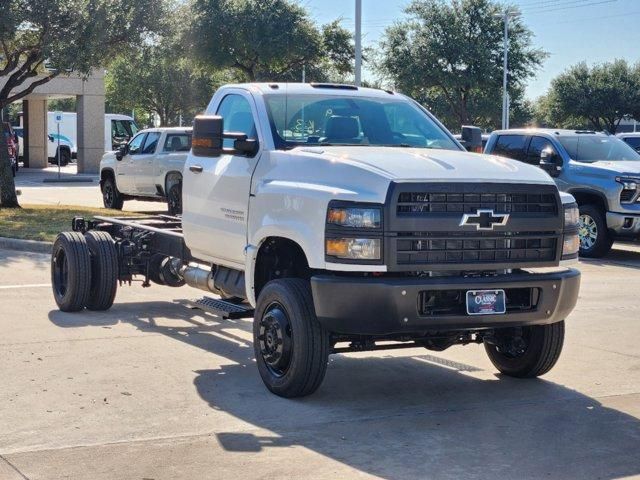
(345, 219)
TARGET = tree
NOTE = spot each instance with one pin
(600, 96)
(41, 39)
(268, 40)
(449, 56)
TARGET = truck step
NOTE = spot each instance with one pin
(222, 308)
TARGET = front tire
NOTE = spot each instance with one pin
(537, 353)
(595, 240)
(291, 346)
(174, 199)
(104, 270)
(111, 197)
(70, 271)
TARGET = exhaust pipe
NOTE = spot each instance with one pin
(200, 278)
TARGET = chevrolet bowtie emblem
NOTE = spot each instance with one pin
(484, 219)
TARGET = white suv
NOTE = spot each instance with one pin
(149, 167)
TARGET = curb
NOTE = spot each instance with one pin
(26, 245)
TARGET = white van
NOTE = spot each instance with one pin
(118, 130)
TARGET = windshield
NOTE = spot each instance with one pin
(339, 120)
(594, 147)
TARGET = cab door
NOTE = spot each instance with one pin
(144, 165)
(125, 168)
(216, 189)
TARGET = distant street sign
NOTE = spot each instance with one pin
(57, 117)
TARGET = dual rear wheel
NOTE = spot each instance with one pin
(84, 271)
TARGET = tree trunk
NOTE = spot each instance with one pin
(8, 196)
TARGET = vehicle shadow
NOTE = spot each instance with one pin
(415, 415)
(618, 256)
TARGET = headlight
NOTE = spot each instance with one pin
(571, 215)
(628, 183)
(571, 245)
(354, 248)
(355, 217)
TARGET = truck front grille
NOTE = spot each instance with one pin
(438, 202)
(472, 247)
(438, 226)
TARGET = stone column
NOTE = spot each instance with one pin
(91, 147)
(38, 141)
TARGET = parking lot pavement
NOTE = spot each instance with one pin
(152, 389)
(33, 190)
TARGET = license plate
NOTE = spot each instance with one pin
(486, 302)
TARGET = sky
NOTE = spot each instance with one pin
(571, 31)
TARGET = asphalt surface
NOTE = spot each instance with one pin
(154, 390)
(33, 189)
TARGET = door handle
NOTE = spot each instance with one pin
(196, 168)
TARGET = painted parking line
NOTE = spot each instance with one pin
(28, 285)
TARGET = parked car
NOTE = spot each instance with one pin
(149, 167)
(601, 171)
(306, 208)
(632, 139)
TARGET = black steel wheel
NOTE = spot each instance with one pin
(70, 271)
(111, 197)
(291, 346)
(174, 199)
(527, 352)
(104, 270)
(275, 340)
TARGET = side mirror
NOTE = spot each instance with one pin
(550, 162)
(50, 137)
(472, 138)
(121, 152)
(208, 137)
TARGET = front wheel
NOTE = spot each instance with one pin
(111, 197)
(174, 199)
(291, 346)
(595, 240)
(528, 351)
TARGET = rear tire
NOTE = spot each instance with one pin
(70, 271)
(595, 240)
(104, 270)
(291, 346)
(543, 345)
(111, 197)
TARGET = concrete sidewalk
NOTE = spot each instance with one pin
(151, 389)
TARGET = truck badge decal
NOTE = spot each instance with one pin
(484, 219)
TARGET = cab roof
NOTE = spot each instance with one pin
(312, 88)
(558, 132)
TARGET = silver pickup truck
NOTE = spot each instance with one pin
(601, 171)
(149, 167)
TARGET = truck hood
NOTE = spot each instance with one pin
(606, 168)
(411, 164)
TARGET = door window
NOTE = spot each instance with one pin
(135, 146)
(177, 143)
(511, 146)
(633, 142)
(537, 145)
(151, 142)
(238, 118)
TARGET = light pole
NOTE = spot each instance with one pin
(358, 41)
(505, 66)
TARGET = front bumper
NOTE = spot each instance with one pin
(623, 224)
(389, 305)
